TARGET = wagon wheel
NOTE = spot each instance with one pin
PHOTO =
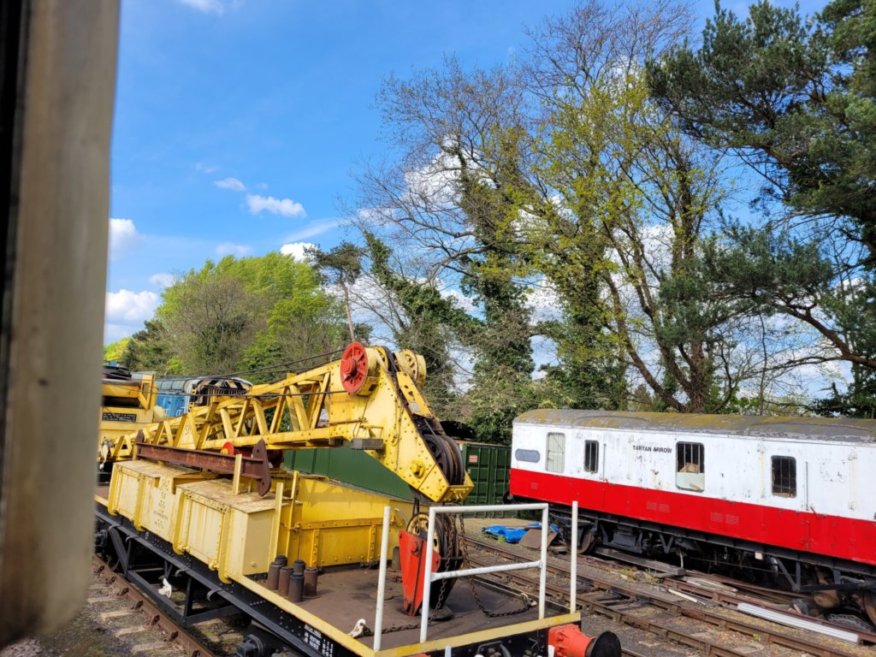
(868, 602)
(588, 541)
(445, 543)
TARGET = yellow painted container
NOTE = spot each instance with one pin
(323, 522)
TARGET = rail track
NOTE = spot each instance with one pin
(135, 620)
(730, 592)
(680, 612)
(677, 614)
(118, 620)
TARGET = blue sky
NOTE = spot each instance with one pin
(239, 123)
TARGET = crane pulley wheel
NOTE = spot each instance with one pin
(446, 454)
(354, 367)
(412, 364)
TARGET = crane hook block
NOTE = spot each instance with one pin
(355, 368)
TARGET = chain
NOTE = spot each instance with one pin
(526, 602)
(367, 631)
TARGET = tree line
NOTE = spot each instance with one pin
(621, 218)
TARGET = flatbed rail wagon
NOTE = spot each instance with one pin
(203, 521)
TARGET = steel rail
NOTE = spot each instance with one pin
(770, 599)
(596, 601)
(157, 619)
(727, 599)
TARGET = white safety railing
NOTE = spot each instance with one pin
(381, 584)
(429, 577)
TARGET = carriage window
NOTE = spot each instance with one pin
(784, 476)
(591, 455)
(556, 452)
(528, 455)
(690, 471)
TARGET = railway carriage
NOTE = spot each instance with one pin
(795, 497)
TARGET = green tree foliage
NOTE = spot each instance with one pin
(594, 169)
(149, 350)
(240, 314)
(422, 319)
(494, 279)
(563, 173)
(342, 266)
(114, 351)
(795, 100)
(451, 207)
(622, 247)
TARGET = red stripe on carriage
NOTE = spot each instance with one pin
(842, 538)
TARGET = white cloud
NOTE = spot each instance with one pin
(436, 183)
(123, 236)
(162, 280)
(544, 302)
(127, 307)
(203, 167)
(283, 206)
(455, 294)
(233, 184)
(229, 248)
(314, 229)
(206, 6)
(297, 250)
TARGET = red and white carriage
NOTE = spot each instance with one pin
(792, 496)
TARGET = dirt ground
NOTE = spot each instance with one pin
(84, 636)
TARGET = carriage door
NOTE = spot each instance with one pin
(788, 481)
(556, 453)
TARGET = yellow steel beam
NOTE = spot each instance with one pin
(387, 417)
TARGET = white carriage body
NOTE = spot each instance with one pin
(802, 483)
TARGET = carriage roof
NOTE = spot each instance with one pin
(806, 428)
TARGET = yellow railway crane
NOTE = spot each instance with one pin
(370, 399)
(200, 504)
(126, 403)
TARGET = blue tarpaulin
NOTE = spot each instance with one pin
(513, 534)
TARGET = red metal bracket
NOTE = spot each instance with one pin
(412, 553)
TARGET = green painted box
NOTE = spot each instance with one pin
(487, 466)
